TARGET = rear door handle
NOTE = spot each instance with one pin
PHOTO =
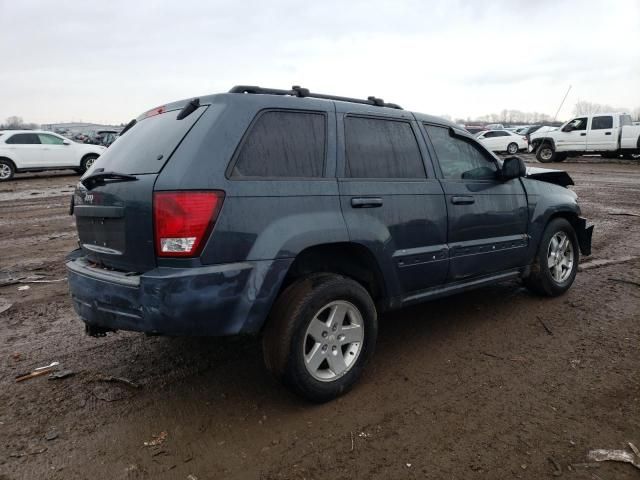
(463, 200)
(607, 133)
(366, 202)
(583, 134)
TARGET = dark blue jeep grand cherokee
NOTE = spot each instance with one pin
(300, 217)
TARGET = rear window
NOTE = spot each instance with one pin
(377, 148)
(146, 146)
(625, 120)
(283, 144)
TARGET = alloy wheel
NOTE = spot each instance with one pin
(5, 171)
(560, 257)
(333, 341)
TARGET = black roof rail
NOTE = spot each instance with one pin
(297, 91)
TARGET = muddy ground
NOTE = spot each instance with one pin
(492, 384)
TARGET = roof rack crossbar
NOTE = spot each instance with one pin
(297, 91)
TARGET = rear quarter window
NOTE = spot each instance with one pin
(284, 144)
(146, 146)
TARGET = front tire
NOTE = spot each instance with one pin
(512, 148)
(7, 170)
(87, 163)
(320, 334)
(556, 262)
(545, 153)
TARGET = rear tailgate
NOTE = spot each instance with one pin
(114, 214)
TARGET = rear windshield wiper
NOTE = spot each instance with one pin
(189, 108)
(99, 176)
(128, 127)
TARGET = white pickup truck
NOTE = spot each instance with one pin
(609, 134)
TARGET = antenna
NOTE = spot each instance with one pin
(561, 103)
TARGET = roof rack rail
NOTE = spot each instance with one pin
(297, 91)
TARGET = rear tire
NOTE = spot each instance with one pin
(556, 263)
(545, 153)
(87, 162)
(7, 170)
(319, 336)
(512, 148)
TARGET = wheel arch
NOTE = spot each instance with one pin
(538, 142)
(350, 259)
(13, 163)
(89, 154)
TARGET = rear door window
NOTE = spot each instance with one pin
(286, 144)
(379, 148)
(146, 146)
(602, 123)
(24, 139)
(460, 158)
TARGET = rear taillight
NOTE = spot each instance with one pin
(183, 220)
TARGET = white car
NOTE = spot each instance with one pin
(502, 141)
(36, 151)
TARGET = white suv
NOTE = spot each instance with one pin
(35, 151)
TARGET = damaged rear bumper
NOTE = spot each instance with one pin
(203, 301)
(584, 234)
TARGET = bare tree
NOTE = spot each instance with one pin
(17, 123)
(583, 107)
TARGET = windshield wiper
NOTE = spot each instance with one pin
(99, 176)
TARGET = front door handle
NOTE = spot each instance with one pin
(463, 200)
(607, 133)
(366, 202)
(583, 134)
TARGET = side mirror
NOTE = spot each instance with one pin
(513, 167)
(567, 128)
(66, 142)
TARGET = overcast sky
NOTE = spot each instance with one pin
(108, 61)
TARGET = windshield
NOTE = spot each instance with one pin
(148, 144)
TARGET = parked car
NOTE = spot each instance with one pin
(36, 151)
(494, 126)
(502, 141)
(609, 134)
(527, 129)
(106, 137)
(473, 129)
(301, 217)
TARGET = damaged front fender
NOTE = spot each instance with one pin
(557, 177)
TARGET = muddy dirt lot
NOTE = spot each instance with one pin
(472, 386)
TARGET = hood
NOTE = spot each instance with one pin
(557, 177)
